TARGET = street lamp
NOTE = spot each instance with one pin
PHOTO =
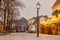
(38, 7)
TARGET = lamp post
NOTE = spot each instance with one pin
(38, 7)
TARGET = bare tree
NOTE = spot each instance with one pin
(10, 10)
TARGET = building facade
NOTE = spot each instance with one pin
(56, 6)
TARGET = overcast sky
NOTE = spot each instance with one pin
(30, 10)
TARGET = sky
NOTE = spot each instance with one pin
(30, 10)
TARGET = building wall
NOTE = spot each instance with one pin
(57, 6)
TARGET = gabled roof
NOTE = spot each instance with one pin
(46, 17)
(57, 2)
(20, 21)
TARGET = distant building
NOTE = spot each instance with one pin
(21, 25)
(32, 27)
(33, 22)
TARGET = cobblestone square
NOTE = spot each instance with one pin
(29, 36)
